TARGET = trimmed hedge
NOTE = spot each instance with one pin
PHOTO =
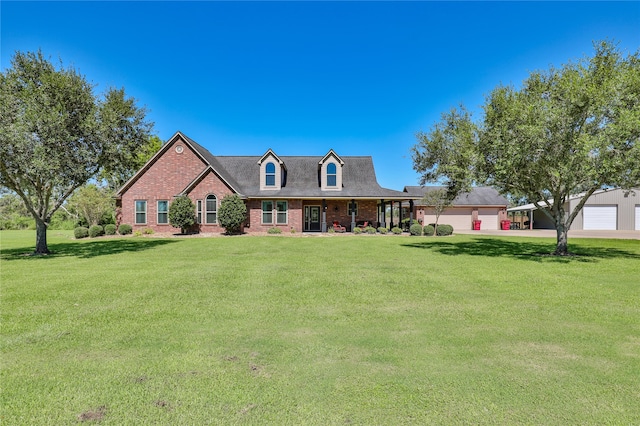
(110, 229)
(125, 229)
(428, 230)
(96, 231)
(396, 230)
(274, 230)
(383, 230)
(370, 230)
(415, 229)
(444, 230)
(81, 232)
(357, 231)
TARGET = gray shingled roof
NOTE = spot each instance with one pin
(242, 173)
(479, 196)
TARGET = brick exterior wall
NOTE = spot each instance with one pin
(210, 184)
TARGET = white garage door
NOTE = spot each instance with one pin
(600, 218)
(637, 218)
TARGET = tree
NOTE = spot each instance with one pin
(120, 172)
(232, 213)
(92, 203)
(567, 131)
(182, 213)
(439, 200)
(55, 134)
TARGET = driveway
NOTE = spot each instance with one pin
(551, 233)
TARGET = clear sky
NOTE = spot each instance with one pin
(304, 77)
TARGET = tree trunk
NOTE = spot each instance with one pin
(41, 237)
(561, 241)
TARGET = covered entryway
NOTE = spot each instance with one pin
(312, 218)
(600, 218)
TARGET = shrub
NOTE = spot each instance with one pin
(444, 230)
(81, 232)
(96, 231)
(396, 230)
(110, 229)
(137, 233)
(415, 229)
(370, 230)
(147, 231)
(182, 213)
(293, 230)
(232, 214)
(383, 230)
(331, 230)
(428, 230)
(274, 230)
(357, 231)
(124, 229)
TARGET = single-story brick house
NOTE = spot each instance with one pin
(301, 193)
(606, 209)
(481, 203)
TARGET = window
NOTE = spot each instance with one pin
(141, 212)
(331, 175)
(163, 212)
(199, 211)
(211, 209)
(281, 212)
(267, 212)
(352, 207)
(270, 174)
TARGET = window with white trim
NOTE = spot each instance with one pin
(163, 212)
(211, 209)
(141, 212)
(332, 175)
(282, 208)
(267, 212)
(270, 174)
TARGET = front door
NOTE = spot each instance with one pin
(312, 218)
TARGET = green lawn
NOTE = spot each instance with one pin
(321, 330)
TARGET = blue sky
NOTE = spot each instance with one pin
(305, 77)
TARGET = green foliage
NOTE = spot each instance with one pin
(331, 230)
(81, 232)
(370, 230)
(119, 173)
(383, 230)
(124, 229)
(232, 213)
(415, 229)
(274, 230)
(55, 134)
(566, 131)
(444, 230)
(396, 230)
(96, 231)
(110, 229)
(182, 213)
(147, 231)
(94, 204)
(357, 230)
(429, 230)
(13, 213)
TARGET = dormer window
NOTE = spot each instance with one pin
(332, 176)
(270, 174)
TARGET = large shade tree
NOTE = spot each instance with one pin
(568, 131)
(55, 134)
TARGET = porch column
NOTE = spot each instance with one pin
(391, 224)
(353, 214)
(410, 213)
(400, 213)
(324, 216)
(383, 209)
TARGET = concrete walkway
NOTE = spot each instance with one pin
(551, 233)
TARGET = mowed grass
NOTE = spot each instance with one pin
(335, 330)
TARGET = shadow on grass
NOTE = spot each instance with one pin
(526, 250)
(86, 249)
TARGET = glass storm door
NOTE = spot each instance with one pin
(312, 218)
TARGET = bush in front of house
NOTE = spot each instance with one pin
(274, 230)
(125, 229)
(383, 230)
(96, 231)
(81, 232)
(370, 230)
(182, 213)
(357, 230)
(331, 230)
(110, 229)
(232, 214)
(415, 229)
(396, 230)
(428, 230)
(444, 230)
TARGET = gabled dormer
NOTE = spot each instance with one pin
(272, 171)
(331, 172)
